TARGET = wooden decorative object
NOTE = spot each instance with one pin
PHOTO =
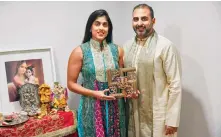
(124, 80)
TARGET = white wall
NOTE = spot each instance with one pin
(194, 27)
(57, 24)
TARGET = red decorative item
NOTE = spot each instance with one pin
(61, 124)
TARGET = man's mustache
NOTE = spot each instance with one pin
(140, 26)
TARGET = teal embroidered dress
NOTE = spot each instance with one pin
(98, 118)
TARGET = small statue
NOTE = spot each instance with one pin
(45, 93)
(45, 98)
(59, 97)
(29, 99)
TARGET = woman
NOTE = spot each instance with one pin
(19, 77)
(99, 115)
(18, 81)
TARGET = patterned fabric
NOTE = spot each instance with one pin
(61, 124)
(98, 118)
(141, 114)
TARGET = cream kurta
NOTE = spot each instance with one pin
(153, 110)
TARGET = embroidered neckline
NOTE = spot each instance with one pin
(143, 41)
(140, 39)
(96, 45)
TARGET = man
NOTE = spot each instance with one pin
(156, 111)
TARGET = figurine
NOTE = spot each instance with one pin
(45, 98)
(59, 97)
(29, 99)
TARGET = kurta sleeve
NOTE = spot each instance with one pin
(172, 69)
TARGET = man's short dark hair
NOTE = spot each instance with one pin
(145, 6)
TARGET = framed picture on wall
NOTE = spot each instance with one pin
(21, 66)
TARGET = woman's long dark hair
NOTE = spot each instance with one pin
(18, 65)
(91, 19)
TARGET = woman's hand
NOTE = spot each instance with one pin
(101, 95)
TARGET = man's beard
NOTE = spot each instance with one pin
(142, 34)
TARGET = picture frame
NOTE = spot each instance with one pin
(20, 66)
(123, 80)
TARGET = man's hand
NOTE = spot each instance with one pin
(170, 130)
(134, 95)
